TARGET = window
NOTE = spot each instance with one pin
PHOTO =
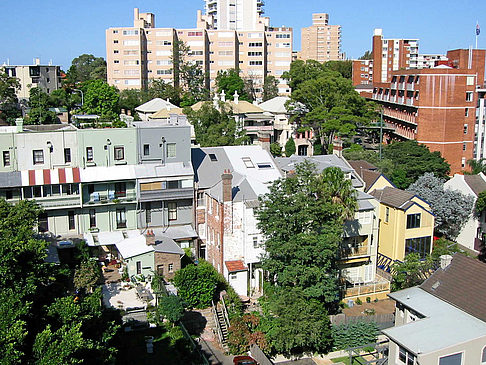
(6, 158)
(255, 242)
(463, 162)
(464, 146)
(171, 267)
(70, 189)
(194, 34)
(248, 163)
(139, 267)
(465, 129)
(255, 44)
(469, 96)
(406, 357)
(213, 157)
(455, 359)
(89, 154)
(72, 224)
(253, 54)
(282, 36)
(172, 211)
(146, 149)
(148, 213)
(387, 215)
(419, 245)
(265, 165)
(256, 63)
(174, 184)
(67, 155)
(413, 220)
(43, 222)
(171, 150)
(38, 156)
(130, 32)
(121, 218)
(120, 190)
(466, 112)
(92, 218)
(119, 153)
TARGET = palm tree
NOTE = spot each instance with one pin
(476, 166)
(333, 185)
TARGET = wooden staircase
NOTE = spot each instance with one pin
(221, 321)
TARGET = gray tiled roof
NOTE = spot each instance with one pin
(476, 183)
(167, 245)
(394, 197)
(462, 284)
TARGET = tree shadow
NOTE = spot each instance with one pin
(194, 322)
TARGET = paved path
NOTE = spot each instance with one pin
(214, 354)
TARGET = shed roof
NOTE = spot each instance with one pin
(235, 266)
(476, 183)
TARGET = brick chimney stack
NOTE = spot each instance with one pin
(227, 178)
(337, 147)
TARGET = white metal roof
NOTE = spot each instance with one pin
(155, 105)
(133, 246)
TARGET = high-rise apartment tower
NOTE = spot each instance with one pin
(321, 41)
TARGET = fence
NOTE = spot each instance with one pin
(194, 346)
(382, 320)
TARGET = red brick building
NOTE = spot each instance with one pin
(436, 106)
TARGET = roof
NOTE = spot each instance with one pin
(165, 113)
(154, 106)
(358, 165)
(234, 266)
(252, 167)
(133, 246)
(275, 105)
(476, 183)
(364, 201)
(443, 326)
(394, 197)
(242, 107)
(462, 284)
(167, 245)
(176, 232)
(10, 179)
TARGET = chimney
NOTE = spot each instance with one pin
(37, 61)
(236, 97)
(223, 96)
(264, 140)
(445, 260)
(215, 101)
(337, 147)
(19, 122)
(227, 178)
(136, 14)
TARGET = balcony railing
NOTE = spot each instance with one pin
(381, 286)
(111, 197)
(59, 201)
(347, 252)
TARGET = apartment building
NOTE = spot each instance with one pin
(437, 106)
(391, 55)
(91, 182)
(362, 72)
(321, 41)
(137, 54)
(45, 77)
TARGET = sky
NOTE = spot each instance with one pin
(60, 30)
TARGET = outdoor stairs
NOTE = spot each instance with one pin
(222, 325)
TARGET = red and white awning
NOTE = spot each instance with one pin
(50, 176)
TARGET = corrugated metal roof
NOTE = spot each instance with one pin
(133, 246)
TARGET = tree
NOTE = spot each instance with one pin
(354, 334)
(172, 308)
(411, 272)
(86, 67)
(275, 149)
(302, 221)
(9, 109)
(196, 284)
(39, 108)
(322, 99)
(366, 56)
(412, 160)
(216, 126)
(65, 97)
(290, 147)
(244, 332)
(101, 99)
(270, 88)
(158, 88)
(345, 68)
(451, 208)
(480, 206)
(230, 82)
(87, 275)
(476, 166)
(188, 76)
(295, 324)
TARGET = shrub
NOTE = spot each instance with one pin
(354, 334)
(358, 301)
(368, 300)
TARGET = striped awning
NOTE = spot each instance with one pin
(51, 176)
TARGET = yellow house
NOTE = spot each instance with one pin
(406, 225)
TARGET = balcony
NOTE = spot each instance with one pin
(166, 194)
(111, 197)
(256, 128)
(352, 252)
(355, 290)
(59, 201)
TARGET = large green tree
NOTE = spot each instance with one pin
(9, 109)
(230, 81)
(322, 99)
(101, 99)
(86, 67)
(270, 88)
(411, 160)
(39, 108)
(345, 68)
(216, 126)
